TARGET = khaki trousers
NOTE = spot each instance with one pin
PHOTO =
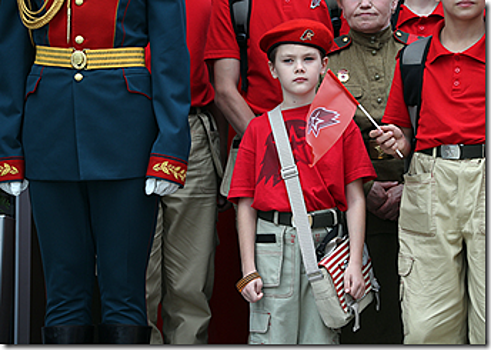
(180, 272)
(287, 313)
(442, 254)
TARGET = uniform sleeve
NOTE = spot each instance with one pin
(396, 110)
(221, 41)
(16, 58)
(357, 163)
(244, 176)
(170, 65)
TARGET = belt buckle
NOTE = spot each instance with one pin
(311, 220)
(78, 59)
(450, 152)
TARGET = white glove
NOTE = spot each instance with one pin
(160, 187)
(14, 188)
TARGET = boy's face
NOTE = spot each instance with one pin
(463, 9)
(298, 68)
(368, 16)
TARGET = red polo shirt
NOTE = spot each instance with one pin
(198, 14)
(257, 169)
(264, 92)
(453, 108)
(412, 23)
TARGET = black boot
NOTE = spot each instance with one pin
(124, 334)
(68, 335)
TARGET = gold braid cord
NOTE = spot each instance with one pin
(33, 19)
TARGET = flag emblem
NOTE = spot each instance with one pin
(334, 106)
(321, 118)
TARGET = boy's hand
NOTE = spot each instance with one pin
(354, 283)
(252, 292)
(391, 140)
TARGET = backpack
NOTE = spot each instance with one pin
(412, 62)
(240, 14)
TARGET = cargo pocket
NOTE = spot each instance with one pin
(259, 327)
(405, 265)
(416, 204)
(269, 254)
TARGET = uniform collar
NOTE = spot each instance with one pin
(405, 13)
(372, 41)
(476, 51)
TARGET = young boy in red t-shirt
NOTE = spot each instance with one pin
(283, 309)
(442, 222)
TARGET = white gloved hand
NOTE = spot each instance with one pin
(14, 188)
(160, 187)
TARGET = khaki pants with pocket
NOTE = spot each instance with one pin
(442, 256)
(287, 313)
(180, 271)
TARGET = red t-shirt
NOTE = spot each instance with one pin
(264, 92)
(257, 168)
(453, 108)
(198, 14)
(412, 23)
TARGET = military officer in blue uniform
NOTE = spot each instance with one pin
(95, 138)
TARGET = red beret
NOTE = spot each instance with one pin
(298, 31)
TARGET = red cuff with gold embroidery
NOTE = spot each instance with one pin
(167, 168)
(11, 169)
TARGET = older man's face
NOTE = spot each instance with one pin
(368, 16)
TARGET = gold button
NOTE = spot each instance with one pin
(398, 33)
(79, 2)
(78, 77)
(79, 39)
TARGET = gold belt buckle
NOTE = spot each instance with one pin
(78, 59)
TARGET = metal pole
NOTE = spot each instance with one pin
(22, 303)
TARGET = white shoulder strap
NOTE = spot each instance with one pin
(289, 173)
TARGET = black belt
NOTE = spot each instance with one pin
(457, 152)
(317, 219)
(197, 110)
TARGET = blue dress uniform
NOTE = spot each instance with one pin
(82, 119)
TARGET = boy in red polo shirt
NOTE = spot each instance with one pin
(442, 256)
(283, 310)
(419, 17)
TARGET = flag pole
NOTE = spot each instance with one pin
(377, 126)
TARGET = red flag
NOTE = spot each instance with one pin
(329, 115)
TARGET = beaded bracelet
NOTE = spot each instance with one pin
(244, 281)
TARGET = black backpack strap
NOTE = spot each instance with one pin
(240, 14)
(412, 61)
(395, 15)
(335, 14)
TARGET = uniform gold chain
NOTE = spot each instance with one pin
(33, 19)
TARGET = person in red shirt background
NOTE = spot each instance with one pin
(181, 269)
(442, 236)
(418, 17)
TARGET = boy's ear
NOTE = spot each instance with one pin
(272, 70)
(324, 65)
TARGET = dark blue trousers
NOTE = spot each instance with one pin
(108, 225)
